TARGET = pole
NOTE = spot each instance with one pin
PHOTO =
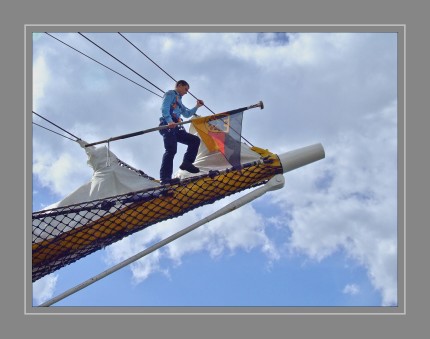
(276, 182)
(129, 135)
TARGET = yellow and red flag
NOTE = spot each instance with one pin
(222, 132)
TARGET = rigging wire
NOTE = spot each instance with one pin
(121, 62)
(64, 136)
(148, 58)
(171, 77)
(160, 68)
(131, 69)
(103, 64)
(77, 138)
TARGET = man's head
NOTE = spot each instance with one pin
(182, 87)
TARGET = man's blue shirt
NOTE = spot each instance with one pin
(169, 100)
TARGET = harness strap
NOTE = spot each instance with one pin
(173, 107)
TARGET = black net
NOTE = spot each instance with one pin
(66, 234)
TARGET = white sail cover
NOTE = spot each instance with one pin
(110, 178)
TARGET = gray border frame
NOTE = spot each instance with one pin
(400, 309)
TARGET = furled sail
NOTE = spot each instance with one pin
(120, 200)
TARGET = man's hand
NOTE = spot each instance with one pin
(171, 124)
(200, 103)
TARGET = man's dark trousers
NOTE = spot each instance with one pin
(171, 137)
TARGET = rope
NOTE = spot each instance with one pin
(160, 68)
(132, 71)
(103, 65)
(172, 78)
(147, 57)
(53, 131)
(121, 62)
(77, 138)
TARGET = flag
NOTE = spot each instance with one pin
(222, 132)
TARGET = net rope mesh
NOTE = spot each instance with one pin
(64, 235)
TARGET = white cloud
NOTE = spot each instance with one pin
(243, 230)
(351, 289)
(338, 89)
(130, 246)
(61, 175)
(40, 78)
(44, 288)
(348, 202)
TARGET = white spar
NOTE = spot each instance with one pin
(301, 157)
(289, 160)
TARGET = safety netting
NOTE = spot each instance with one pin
(65, 234)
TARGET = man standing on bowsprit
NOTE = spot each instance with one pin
(171, 111)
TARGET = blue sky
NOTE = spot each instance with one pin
(328, 238)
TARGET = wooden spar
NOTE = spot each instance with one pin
(129, 135)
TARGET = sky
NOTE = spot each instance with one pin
(328, 238)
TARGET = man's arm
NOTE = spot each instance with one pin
(186, 112)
